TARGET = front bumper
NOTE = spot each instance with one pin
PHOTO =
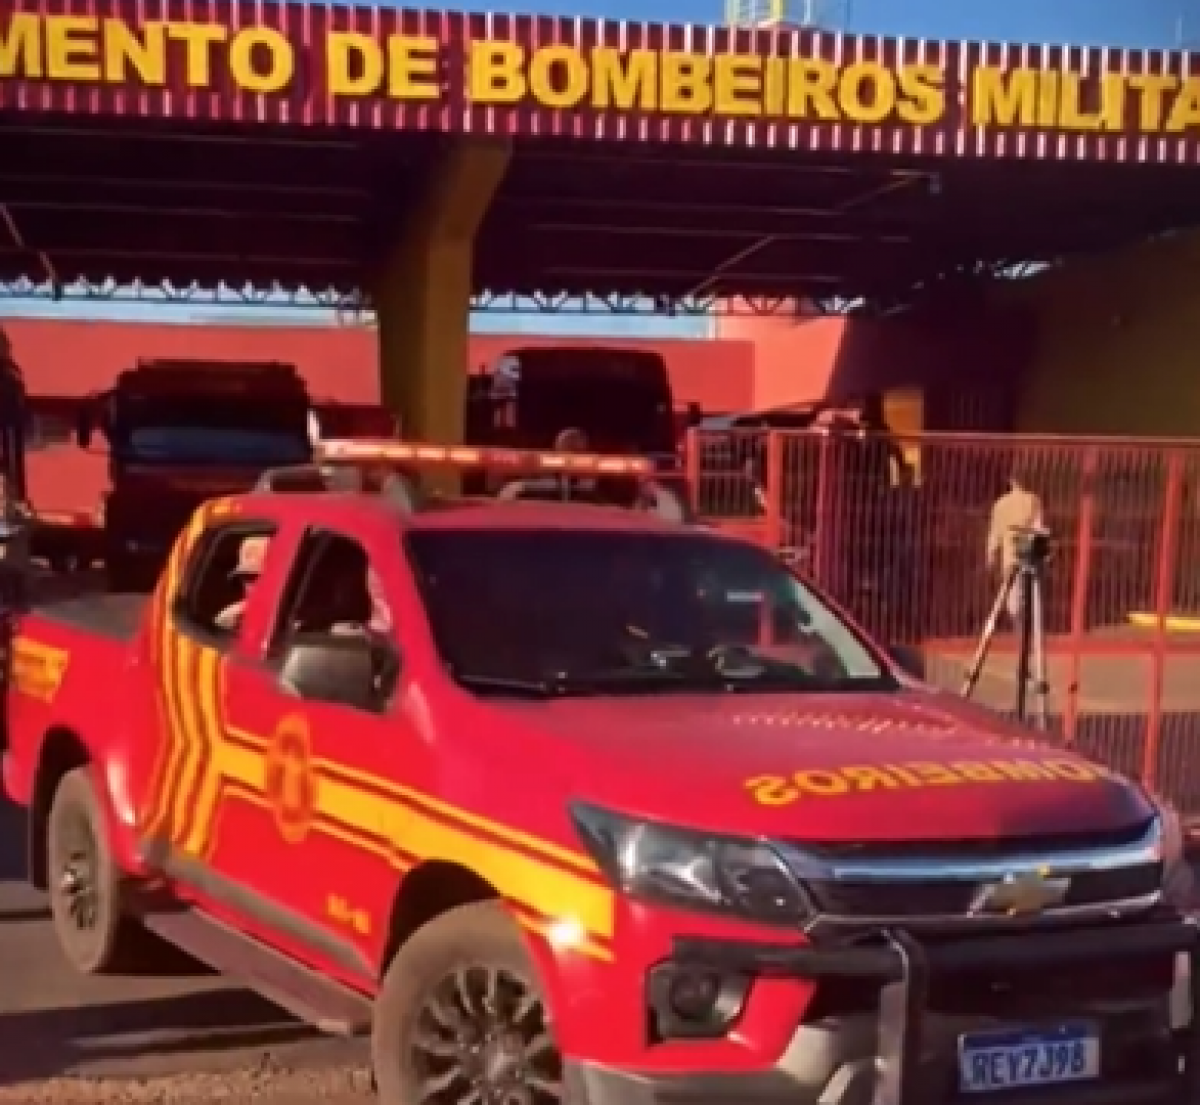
(904, 1052)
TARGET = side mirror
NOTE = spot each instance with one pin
(331, 669)
(83, 429)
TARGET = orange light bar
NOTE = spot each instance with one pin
(457, 456)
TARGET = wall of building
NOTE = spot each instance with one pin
(75, 357)
(959, 361)
(1105, 345)
(1118, 349)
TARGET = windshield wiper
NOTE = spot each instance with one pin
(646, 680)
(500, 686)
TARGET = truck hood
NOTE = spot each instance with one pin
(912, 765)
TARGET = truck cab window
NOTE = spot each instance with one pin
(334, 597)
(332, 590)
(223, 571)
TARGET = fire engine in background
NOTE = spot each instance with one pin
(620, 398)
(179, 432)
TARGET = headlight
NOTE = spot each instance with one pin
(690, 869)
(1178, 879)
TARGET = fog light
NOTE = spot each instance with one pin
(694, 995)
(690, 1003)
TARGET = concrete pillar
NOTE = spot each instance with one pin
(423, 291)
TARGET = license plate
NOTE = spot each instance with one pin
(991, 1061)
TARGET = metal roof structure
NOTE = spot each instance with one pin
(676, 165)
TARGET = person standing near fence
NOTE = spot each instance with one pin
(1017, 509)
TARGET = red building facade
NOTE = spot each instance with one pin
(61, 361)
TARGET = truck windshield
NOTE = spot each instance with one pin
(214, 445)
(617, 415)
(211, 429)
(564, 612)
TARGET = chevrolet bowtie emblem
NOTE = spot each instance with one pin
(1021, 894)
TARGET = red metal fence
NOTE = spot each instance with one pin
(896, 529)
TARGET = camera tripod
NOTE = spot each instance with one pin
(1024, 578)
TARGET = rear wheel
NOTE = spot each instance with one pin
(461, 1018)
(84, 883)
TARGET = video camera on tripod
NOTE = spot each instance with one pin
(1032, 546)
(1020, 593)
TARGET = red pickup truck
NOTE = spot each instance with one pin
(575, 803)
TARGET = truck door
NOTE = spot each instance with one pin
(183, 768)
(325, 832)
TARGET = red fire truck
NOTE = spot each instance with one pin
(179, 432)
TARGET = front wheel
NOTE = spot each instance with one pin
(85, 898)
(461, 1017)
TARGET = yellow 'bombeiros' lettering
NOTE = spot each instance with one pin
(625, 80)
(784, 790)
(679, 83)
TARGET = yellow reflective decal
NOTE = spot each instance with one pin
(38, 669)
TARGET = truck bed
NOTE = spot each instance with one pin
(114, 616)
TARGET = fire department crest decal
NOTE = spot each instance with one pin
(291, 782)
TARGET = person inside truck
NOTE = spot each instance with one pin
(358, 594)
(251, 556)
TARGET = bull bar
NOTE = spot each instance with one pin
(904, 966)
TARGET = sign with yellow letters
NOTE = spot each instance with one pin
(516, 74)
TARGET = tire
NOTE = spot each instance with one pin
(464, 943)
(92, 929)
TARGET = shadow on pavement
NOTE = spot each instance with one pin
(24, 916)
(54, 1042)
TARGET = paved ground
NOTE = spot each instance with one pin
(174, 1034)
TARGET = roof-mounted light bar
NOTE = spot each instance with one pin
(383, 451)
(345, 466)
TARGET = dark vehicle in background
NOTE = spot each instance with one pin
(354, 420)
(840, 485)
(180, 432)
(620, 398)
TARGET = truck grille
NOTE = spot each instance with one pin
(913, 880)
(933, 898)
